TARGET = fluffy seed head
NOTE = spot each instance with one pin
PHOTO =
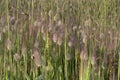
(37, 57)
(16, 57)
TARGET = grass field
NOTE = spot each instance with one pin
(59, 39)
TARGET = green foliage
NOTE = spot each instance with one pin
(59, 40)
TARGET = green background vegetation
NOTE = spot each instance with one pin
(59, 39)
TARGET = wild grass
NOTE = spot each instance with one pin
(59, 40)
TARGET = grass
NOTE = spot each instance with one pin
(59, 40)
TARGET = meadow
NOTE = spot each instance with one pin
(59, 39)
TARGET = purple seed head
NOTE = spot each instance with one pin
(37, 57)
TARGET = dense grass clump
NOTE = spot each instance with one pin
(59, 40)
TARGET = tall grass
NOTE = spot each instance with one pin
(59, 40)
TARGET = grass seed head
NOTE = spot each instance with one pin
(24, 50)
(93, 60)
(55, 37)
(68, 56)
(56, 17)
(50, 13)
(16, 57)
(59, 41)
(88, 22)
(84, 55)
(59, 23)
(74, 28)
(9, 44)
(37, 57)
(70, 44)
(37, 23)
(12, 20)
(36, 45)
